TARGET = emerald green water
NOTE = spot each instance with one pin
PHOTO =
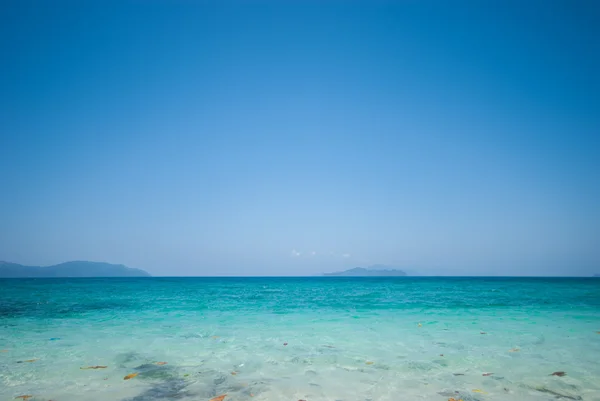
(347, 338)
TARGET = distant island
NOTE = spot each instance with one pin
(372, 271)
(69, 269)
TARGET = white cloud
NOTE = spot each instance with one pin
(295, 253)
(313, 253)
(346, 255)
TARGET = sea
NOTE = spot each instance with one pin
(291, 339)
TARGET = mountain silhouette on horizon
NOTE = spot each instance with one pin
(69, 269)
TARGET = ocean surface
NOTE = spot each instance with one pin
(277, 339)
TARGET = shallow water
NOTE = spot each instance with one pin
(350, 339)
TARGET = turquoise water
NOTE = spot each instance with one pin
(350, 339)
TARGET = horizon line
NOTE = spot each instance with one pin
(311, 276)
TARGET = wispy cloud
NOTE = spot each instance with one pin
(314, 254)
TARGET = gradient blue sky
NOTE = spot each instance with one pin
(291, 138)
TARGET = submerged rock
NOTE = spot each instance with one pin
(420, 366)
(557, 394)
(465, 396)
(220, 379)
(448, 393)
(153, 371)
(127, 358)
(170, 389)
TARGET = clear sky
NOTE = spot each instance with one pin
(292, 138)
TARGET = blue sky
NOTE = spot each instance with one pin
(292, 138)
